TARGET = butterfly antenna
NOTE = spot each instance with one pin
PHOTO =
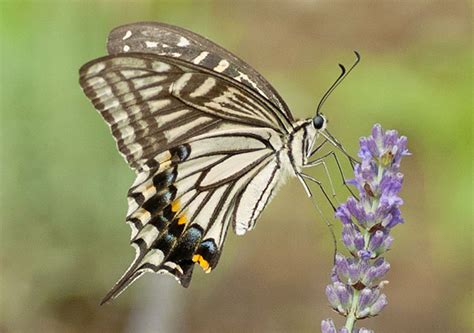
(340, 78)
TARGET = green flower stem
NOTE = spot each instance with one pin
(351, 317)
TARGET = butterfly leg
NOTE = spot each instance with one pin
(322, 162)
(329, 137)
(322, 159)
(321, 187)
(303, 176)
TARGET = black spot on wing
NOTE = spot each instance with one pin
(181, 152)
(165, 178)
(186, 245)
(160, 200)
(209, 251)
(176, 229)
(164, 243)
(162, 219)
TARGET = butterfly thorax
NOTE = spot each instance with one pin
(300, 142)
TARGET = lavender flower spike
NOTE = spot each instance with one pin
(357, 279)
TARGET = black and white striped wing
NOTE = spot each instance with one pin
(154, 103)
(180, 210)
(200, 145)
(171, 41)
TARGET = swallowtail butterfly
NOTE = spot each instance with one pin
(210, 141)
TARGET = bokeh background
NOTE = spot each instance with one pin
(63, 186)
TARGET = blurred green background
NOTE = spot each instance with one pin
(63, 185)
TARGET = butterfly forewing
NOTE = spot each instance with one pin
(176, 42)
(152, 103)
(205, 143)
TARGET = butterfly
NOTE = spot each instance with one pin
(210, 141)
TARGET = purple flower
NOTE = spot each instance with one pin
(327, 326)
(352, 238)
(339, 296)
(357, 280)
(379, 243)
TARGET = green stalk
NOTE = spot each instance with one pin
(351, 317)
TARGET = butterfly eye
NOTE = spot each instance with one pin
(318, 122)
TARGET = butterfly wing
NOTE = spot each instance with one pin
(171, 41)
(206, 156)
(154, 103)
(180, 211)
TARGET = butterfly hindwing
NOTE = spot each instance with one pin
(180, 211)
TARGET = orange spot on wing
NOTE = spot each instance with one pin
(175, 206)
(202, 262)
(182, 219)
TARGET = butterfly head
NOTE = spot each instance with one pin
(320, 122)
(305, 138)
